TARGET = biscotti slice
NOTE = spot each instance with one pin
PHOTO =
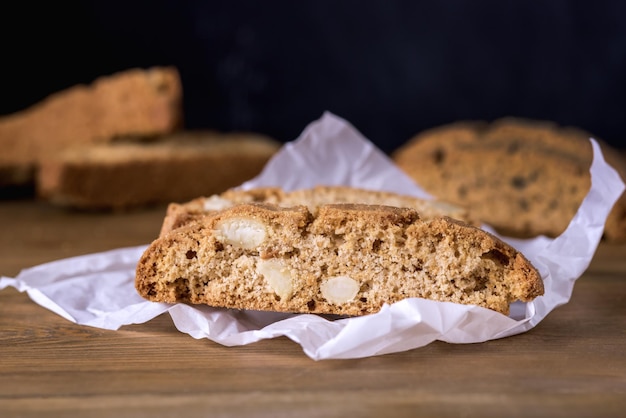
(523, 177)
(136, 103)
(176, 167)
(342, 259)
(179, 214)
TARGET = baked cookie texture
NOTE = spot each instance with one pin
(341, 259)
(174, 167)
(179, 214)
(136, 102)
(523, 177)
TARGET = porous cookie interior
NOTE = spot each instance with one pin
(347, 260)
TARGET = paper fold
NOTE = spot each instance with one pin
(98, 289)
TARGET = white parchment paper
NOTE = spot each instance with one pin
(98, 289)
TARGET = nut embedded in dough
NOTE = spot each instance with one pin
(244, 233)
(339, 290)
(216, 202)
(277, 276)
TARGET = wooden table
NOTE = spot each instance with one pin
(572, 364)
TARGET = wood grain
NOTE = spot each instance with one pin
(571, 364)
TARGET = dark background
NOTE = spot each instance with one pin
(391, 68)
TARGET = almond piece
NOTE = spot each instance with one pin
(244, 233)
(339, 289)
(277, 276)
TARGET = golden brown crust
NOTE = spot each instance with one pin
(181, 214)
(136, 102)
(345, 259)
(523, 177)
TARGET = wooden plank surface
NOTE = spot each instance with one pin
(571, 364)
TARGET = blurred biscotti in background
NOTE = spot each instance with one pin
(171, 168)
(523, 177)
(137, 102)
(120, 143)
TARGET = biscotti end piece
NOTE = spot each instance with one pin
(523, 177)
(342, 259)
(174, 167)
(179, 214)
(137, 103)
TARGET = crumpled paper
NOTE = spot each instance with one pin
(98, 289)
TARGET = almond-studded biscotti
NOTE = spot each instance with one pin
(176, 167)
(342, 259)
(135, 102)
(179, 214)
(523, 177)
